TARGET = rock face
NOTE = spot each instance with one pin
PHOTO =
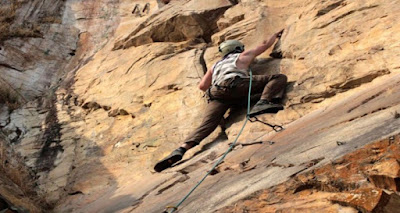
(363, 181)
(94, 93)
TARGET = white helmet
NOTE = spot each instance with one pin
(230, 46)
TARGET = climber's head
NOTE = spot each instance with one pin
(230, 46)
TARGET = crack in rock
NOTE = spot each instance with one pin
(10, 67)
(273, 164)
(341, 87)
(312, 162)
(139, 201)
(368, 113)
(367, 100)
(356, 82)
(329, 8)
(180, 180)
(345, 15)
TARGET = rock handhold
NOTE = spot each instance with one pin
(118, 111)
(91, 105)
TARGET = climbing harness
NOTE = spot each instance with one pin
(275, 127)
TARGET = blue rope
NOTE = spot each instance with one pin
(174, 208)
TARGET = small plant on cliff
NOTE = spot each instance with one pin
(9, 98)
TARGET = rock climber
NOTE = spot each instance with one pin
(227, 84)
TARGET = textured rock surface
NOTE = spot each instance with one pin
(43, 37)
(344, 185)
(117, 91)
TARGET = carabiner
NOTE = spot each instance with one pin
(276, 128)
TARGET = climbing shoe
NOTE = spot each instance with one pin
(264, 106)
(167, 162)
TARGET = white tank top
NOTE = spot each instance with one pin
(226, 69)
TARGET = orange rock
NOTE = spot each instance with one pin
(370, 200)
(386, 182)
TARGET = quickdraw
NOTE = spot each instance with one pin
(276, 128)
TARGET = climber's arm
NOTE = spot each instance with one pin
(205, 82)
(247, 57)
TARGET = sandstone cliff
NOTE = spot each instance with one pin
(93, 93)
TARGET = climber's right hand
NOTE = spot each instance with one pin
(279, 34)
